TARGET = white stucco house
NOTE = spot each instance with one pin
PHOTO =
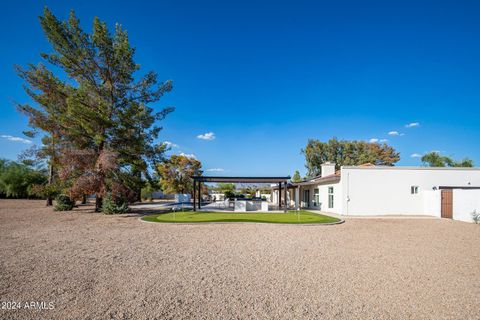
(384, 190)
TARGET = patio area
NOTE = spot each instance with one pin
(241, 205)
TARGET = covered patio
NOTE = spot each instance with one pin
(198, 180)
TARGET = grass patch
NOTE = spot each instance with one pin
(292, 217)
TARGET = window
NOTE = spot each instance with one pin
(306, 198)
(330, 197)
(316, 196)
(414, 189)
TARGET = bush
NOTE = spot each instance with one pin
(111, 205)
(17, 179)
(476, 216)
(63, 203)
(147, 194)
(44, 191)
(229, 194)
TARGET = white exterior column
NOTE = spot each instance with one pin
(297, 197)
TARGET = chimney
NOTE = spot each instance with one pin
(328, 168)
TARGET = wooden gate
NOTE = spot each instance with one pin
(447, 203)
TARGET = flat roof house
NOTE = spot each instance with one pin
(383, 190)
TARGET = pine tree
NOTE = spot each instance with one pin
(104, 129)
(50, 95)
(296, 176)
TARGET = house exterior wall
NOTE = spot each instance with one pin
(217, 196)
(432, 203)
(161, 195)
(464, 203)
(273, 198)
(387, 190)
(322, 204)
(307, 202)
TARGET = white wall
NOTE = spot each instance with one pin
(217, 196)
(304, 202)
(273, 198)
(464, 203)
(337, 197)
(179, 197)
(161, 195)
(386, 190)
(432, 203)
(323, 197)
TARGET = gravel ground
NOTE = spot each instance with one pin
(93, 266)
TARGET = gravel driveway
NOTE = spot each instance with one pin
(91, 266)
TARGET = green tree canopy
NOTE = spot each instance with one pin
(176, 174)
(223, 187)
(296, 176)
(344, 152)
(18, 180)
(99, 126)
(435, 159)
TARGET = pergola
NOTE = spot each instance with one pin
(199, 179)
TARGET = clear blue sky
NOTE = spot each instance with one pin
(266, 77)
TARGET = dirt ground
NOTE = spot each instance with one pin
(83, 265)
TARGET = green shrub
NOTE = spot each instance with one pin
(17, 179)
(229, 194)
(111, 205)
(44, 191)
(476, 216)
(147, 194)
(63, 203)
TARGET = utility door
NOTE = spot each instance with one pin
(447, 203)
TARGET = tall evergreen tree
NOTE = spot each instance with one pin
(50, 95)
(296, 176)
(103, 121)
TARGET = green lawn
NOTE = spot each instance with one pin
(292, 217)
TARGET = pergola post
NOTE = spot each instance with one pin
(279, 196)
(285, 193)
(199, 195)
(194, 195)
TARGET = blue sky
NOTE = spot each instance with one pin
(265, 77)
